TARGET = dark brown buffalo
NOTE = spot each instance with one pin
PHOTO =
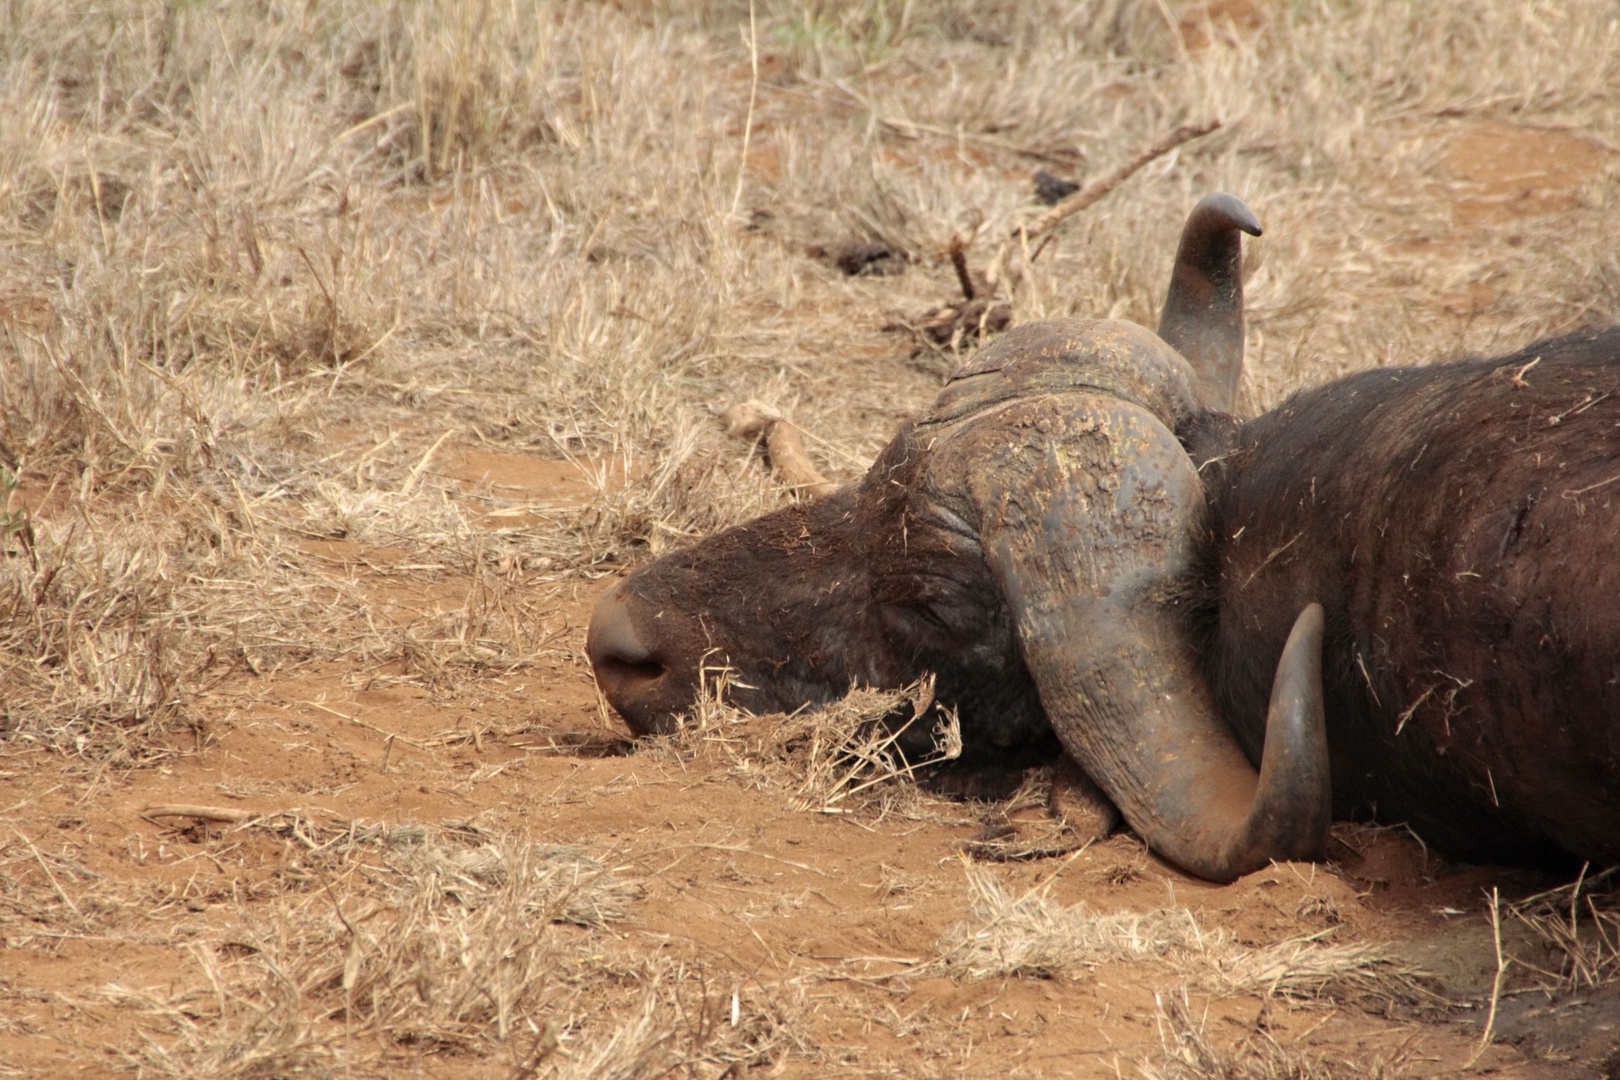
(1045, 541)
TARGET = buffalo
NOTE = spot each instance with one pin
(1395, 595)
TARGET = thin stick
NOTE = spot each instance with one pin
(219, 815)
(361, 723)
(1496, 988)
(752, 420)
(1574, 899)
(761, 855)
(959, 261)
(380, 118)
(66, 899)
(416, 473)
(1101, 186)
(753, 93)
(24, 802)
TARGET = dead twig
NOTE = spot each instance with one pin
(978, 316)
(1110, 180)
(1496, 986)
(57, 885)
(391, 735)
(416, 472)
(783, 442)
(220, 815)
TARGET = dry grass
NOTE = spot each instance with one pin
(1030, 824)
(840, 758)
(699, 1037)
(267, 263)
(95, 648)
(389, 943)
(1580, 925)
(402, 939)
(261, 258)
(1187, 1052)
(1031, 936)
(45, 897)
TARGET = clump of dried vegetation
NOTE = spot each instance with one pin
(842, 757)
(395, 941)
(1031, 935)
(1580, 925)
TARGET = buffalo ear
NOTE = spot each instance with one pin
(1203, 313)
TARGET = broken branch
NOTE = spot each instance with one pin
(217, 814)
(1110, 180)
(783, 444)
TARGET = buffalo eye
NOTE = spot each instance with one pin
(930, 609)
(914, 622)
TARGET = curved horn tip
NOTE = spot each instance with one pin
(1222, 209)
(1294, 806)
(1203, 310)
(1298, 683)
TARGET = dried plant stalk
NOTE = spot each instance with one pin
(842, 756)
(1187, 1051)
(1580, 922)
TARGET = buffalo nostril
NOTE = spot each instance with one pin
(623, 674)
(616, 651)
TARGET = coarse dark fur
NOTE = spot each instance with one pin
(1461, 526)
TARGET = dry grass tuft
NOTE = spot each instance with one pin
(409, 938)
(691, 1034)
(1580, 924)
(47, 896)
(840, 758)
(388, 943)
(1363, 974)
(1029, 935)
(96, 647)
(638, 1048)
(459, 863)
(1187, 1052)
(695, 487)
(1011, 834)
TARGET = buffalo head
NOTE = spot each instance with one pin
(1035, 541)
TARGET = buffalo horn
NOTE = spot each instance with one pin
(1178, 775)
(1203, 313)
(1095, 542)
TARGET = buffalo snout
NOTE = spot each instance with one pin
(629, 670)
